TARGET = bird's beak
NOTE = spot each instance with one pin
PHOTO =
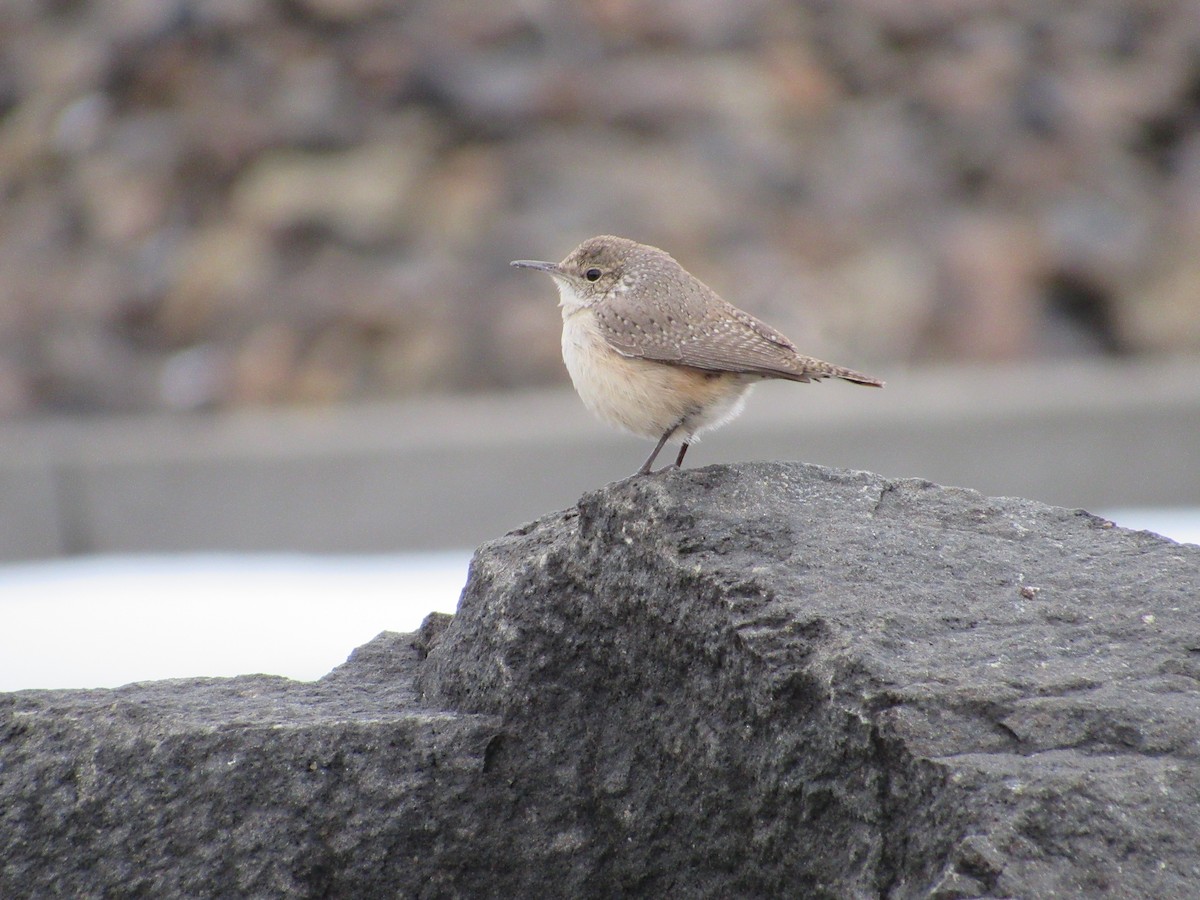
(551, 268)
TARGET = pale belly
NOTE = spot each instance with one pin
(644, 397)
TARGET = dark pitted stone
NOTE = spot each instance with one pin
(245, 787)
(784, 680)
(764, 680)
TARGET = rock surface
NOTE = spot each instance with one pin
(254, 786)
(741, 681)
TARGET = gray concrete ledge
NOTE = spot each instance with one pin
(451, 472)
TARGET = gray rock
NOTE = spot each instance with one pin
(824, 683)
(740, 681)
(245, 787)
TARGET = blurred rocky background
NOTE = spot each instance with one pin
(213, 203)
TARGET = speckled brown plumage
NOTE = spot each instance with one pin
(688, 323)
(652, 349)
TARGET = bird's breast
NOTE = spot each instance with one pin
(643, 396)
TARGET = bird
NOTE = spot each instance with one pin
(653, 350)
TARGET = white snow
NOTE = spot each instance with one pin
(107, 621)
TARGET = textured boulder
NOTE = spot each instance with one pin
(243, 787)
(783, 680)
(757, 680)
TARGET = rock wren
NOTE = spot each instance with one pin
(652, 349)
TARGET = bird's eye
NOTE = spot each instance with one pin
(592, 274)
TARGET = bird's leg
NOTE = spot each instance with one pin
(645, 469)
(679, 458)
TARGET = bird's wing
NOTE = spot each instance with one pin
(697, 328)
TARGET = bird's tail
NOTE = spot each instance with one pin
(809, 369)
